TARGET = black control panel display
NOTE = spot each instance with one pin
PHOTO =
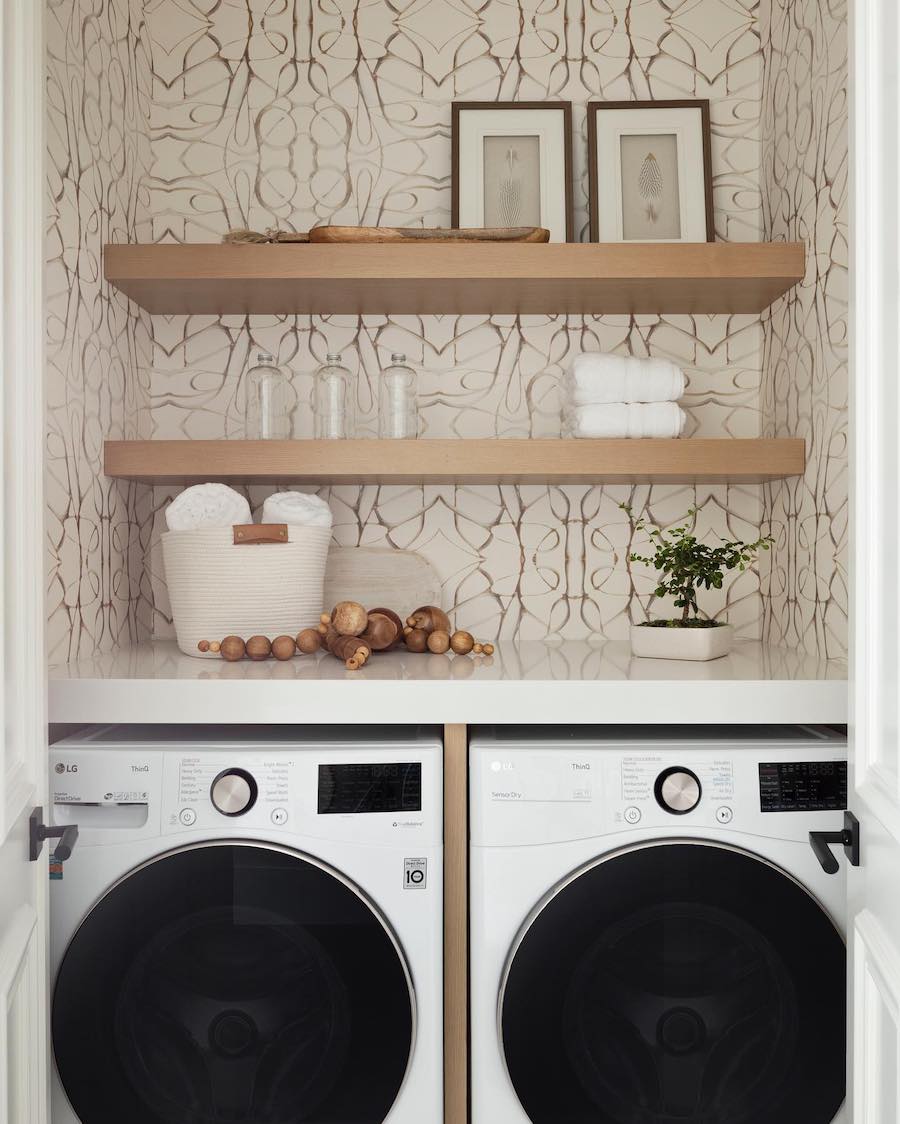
(348, 789)
(803, 786)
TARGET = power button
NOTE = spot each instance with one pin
(632, 815)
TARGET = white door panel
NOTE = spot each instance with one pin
(876, 1031)
(874, 887)
(23, 782)
(23, 994)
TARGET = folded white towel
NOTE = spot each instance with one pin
(207, 505)
(297, 509)
(626, 419)
(594, 377)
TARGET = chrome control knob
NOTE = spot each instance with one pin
(233, 792)
(678, 791)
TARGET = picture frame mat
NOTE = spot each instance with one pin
(550, 123)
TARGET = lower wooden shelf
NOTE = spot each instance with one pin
(503, 461)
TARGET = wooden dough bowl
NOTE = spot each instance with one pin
(356, 235)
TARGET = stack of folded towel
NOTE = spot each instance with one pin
(217, 505)
(619, 396)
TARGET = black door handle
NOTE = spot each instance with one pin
(821, 843)
(38, 832)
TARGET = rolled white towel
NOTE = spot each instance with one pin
(297, 509)
(626, 419)
(207, 505)
(594, 377)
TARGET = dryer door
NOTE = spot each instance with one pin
(677, 983)
(230, 982)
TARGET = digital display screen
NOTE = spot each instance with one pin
(351, 789)
(803, 786)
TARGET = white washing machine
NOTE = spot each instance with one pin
(249, 927)
(653, 939)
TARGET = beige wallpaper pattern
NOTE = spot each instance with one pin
(805, 386)
(177, 119)
(299, 114)
(98, 96)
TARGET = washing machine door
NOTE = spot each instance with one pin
(233, 982)
(677, 983)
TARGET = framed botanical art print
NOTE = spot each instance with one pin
(650, 168)
(512, 165)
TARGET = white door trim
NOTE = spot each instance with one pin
(23, 742)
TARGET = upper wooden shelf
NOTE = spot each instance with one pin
(717, 277)
(503, 461)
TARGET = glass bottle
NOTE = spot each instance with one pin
(334, 400)
(268, 405)
(398, 400)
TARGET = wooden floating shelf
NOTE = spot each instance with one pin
(518, 461)
(590, 278)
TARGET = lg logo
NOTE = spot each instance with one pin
(61, 768)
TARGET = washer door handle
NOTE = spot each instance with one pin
(822, 841)
(38, 832)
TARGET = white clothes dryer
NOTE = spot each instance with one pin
(249, 927)
(653, 938)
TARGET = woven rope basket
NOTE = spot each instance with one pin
(262, 580)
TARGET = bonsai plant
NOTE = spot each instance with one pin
(684, 565)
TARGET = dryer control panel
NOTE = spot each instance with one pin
(531, 792)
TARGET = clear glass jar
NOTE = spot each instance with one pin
(334, 400)
(398, 400)
(269, 402)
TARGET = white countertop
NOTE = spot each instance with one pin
(566, 683)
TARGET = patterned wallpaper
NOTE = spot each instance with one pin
(98, 96)
(805, 386)
(295, 114)
(227, 113)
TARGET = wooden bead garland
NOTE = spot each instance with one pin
(351, 634)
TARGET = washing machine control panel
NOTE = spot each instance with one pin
(338, 795)
(206, 790)
(371, 793)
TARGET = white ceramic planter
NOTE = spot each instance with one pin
(682, 643)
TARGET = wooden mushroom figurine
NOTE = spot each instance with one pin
(429, 618)
(382, 631)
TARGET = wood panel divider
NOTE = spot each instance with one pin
(456, 925)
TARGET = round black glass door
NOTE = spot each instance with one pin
(678, 984)
(232, 983)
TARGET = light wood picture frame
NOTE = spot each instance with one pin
(512, 166)
(650, 171)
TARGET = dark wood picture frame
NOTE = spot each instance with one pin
(596, 107)
(565, 107)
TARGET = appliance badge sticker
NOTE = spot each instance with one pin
(415, 874)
